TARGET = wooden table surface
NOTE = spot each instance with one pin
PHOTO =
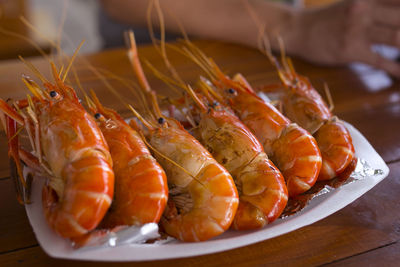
(365, 232)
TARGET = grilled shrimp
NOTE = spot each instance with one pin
(290, 147)
(303, 104)
(70, 148)
(141, 190)
(202, 195)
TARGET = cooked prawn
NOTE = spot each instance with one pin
(303, 104)
(202, 195)
(70, 148)
(141, 190)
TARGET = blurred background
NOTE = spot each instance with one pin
(75, 19)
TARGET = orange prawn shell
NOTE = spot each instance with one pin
(212, 189)
(78, 156)
(304, 105)
(141, 189)
(262, 191)
(259, 113)
(336, 147)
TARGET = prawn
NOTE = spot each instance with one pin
(68, 147)
(141, 190)
(290, 147)
(203, 198)
(304, 105)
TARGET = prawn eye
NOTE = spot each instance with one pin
(97, 116)
(161, 120)
(53, 94)
(231, 91)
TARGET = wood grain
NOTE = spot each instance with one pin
(15, 229)
(389, 254)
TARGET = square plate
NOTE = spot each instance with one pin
(319, 208)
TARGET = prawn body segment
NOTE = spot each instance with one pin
(298, 158)
(336, 146)
(263, 194)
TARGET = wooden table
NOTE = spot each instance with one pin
(10, 45)
(367, 231)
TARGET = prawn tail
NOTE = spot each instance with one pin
(297, 155)
(336, 146)
(215, 205)
(263, 194)
(92, 185)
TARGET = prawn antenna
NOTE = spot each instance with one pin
(134, 59)
(72, 60)
(329, 97)
(78, 82)
(195, 98)
(107, 84)
(137, 67)
(131, 85)
(150, 25)
(34, 88)
(27, 39)
(61, 27)
(34, 70)
(168, 64)
(169, 81)
(146, 123)
(54, 44)
(209, 92)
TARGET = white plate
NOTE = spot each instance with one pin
(318, 209)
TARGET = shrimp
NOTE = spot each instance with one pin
(70, 148)
(262, 191)
(290, 147)
(141, 190)
(203, 198)
(303, 104)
